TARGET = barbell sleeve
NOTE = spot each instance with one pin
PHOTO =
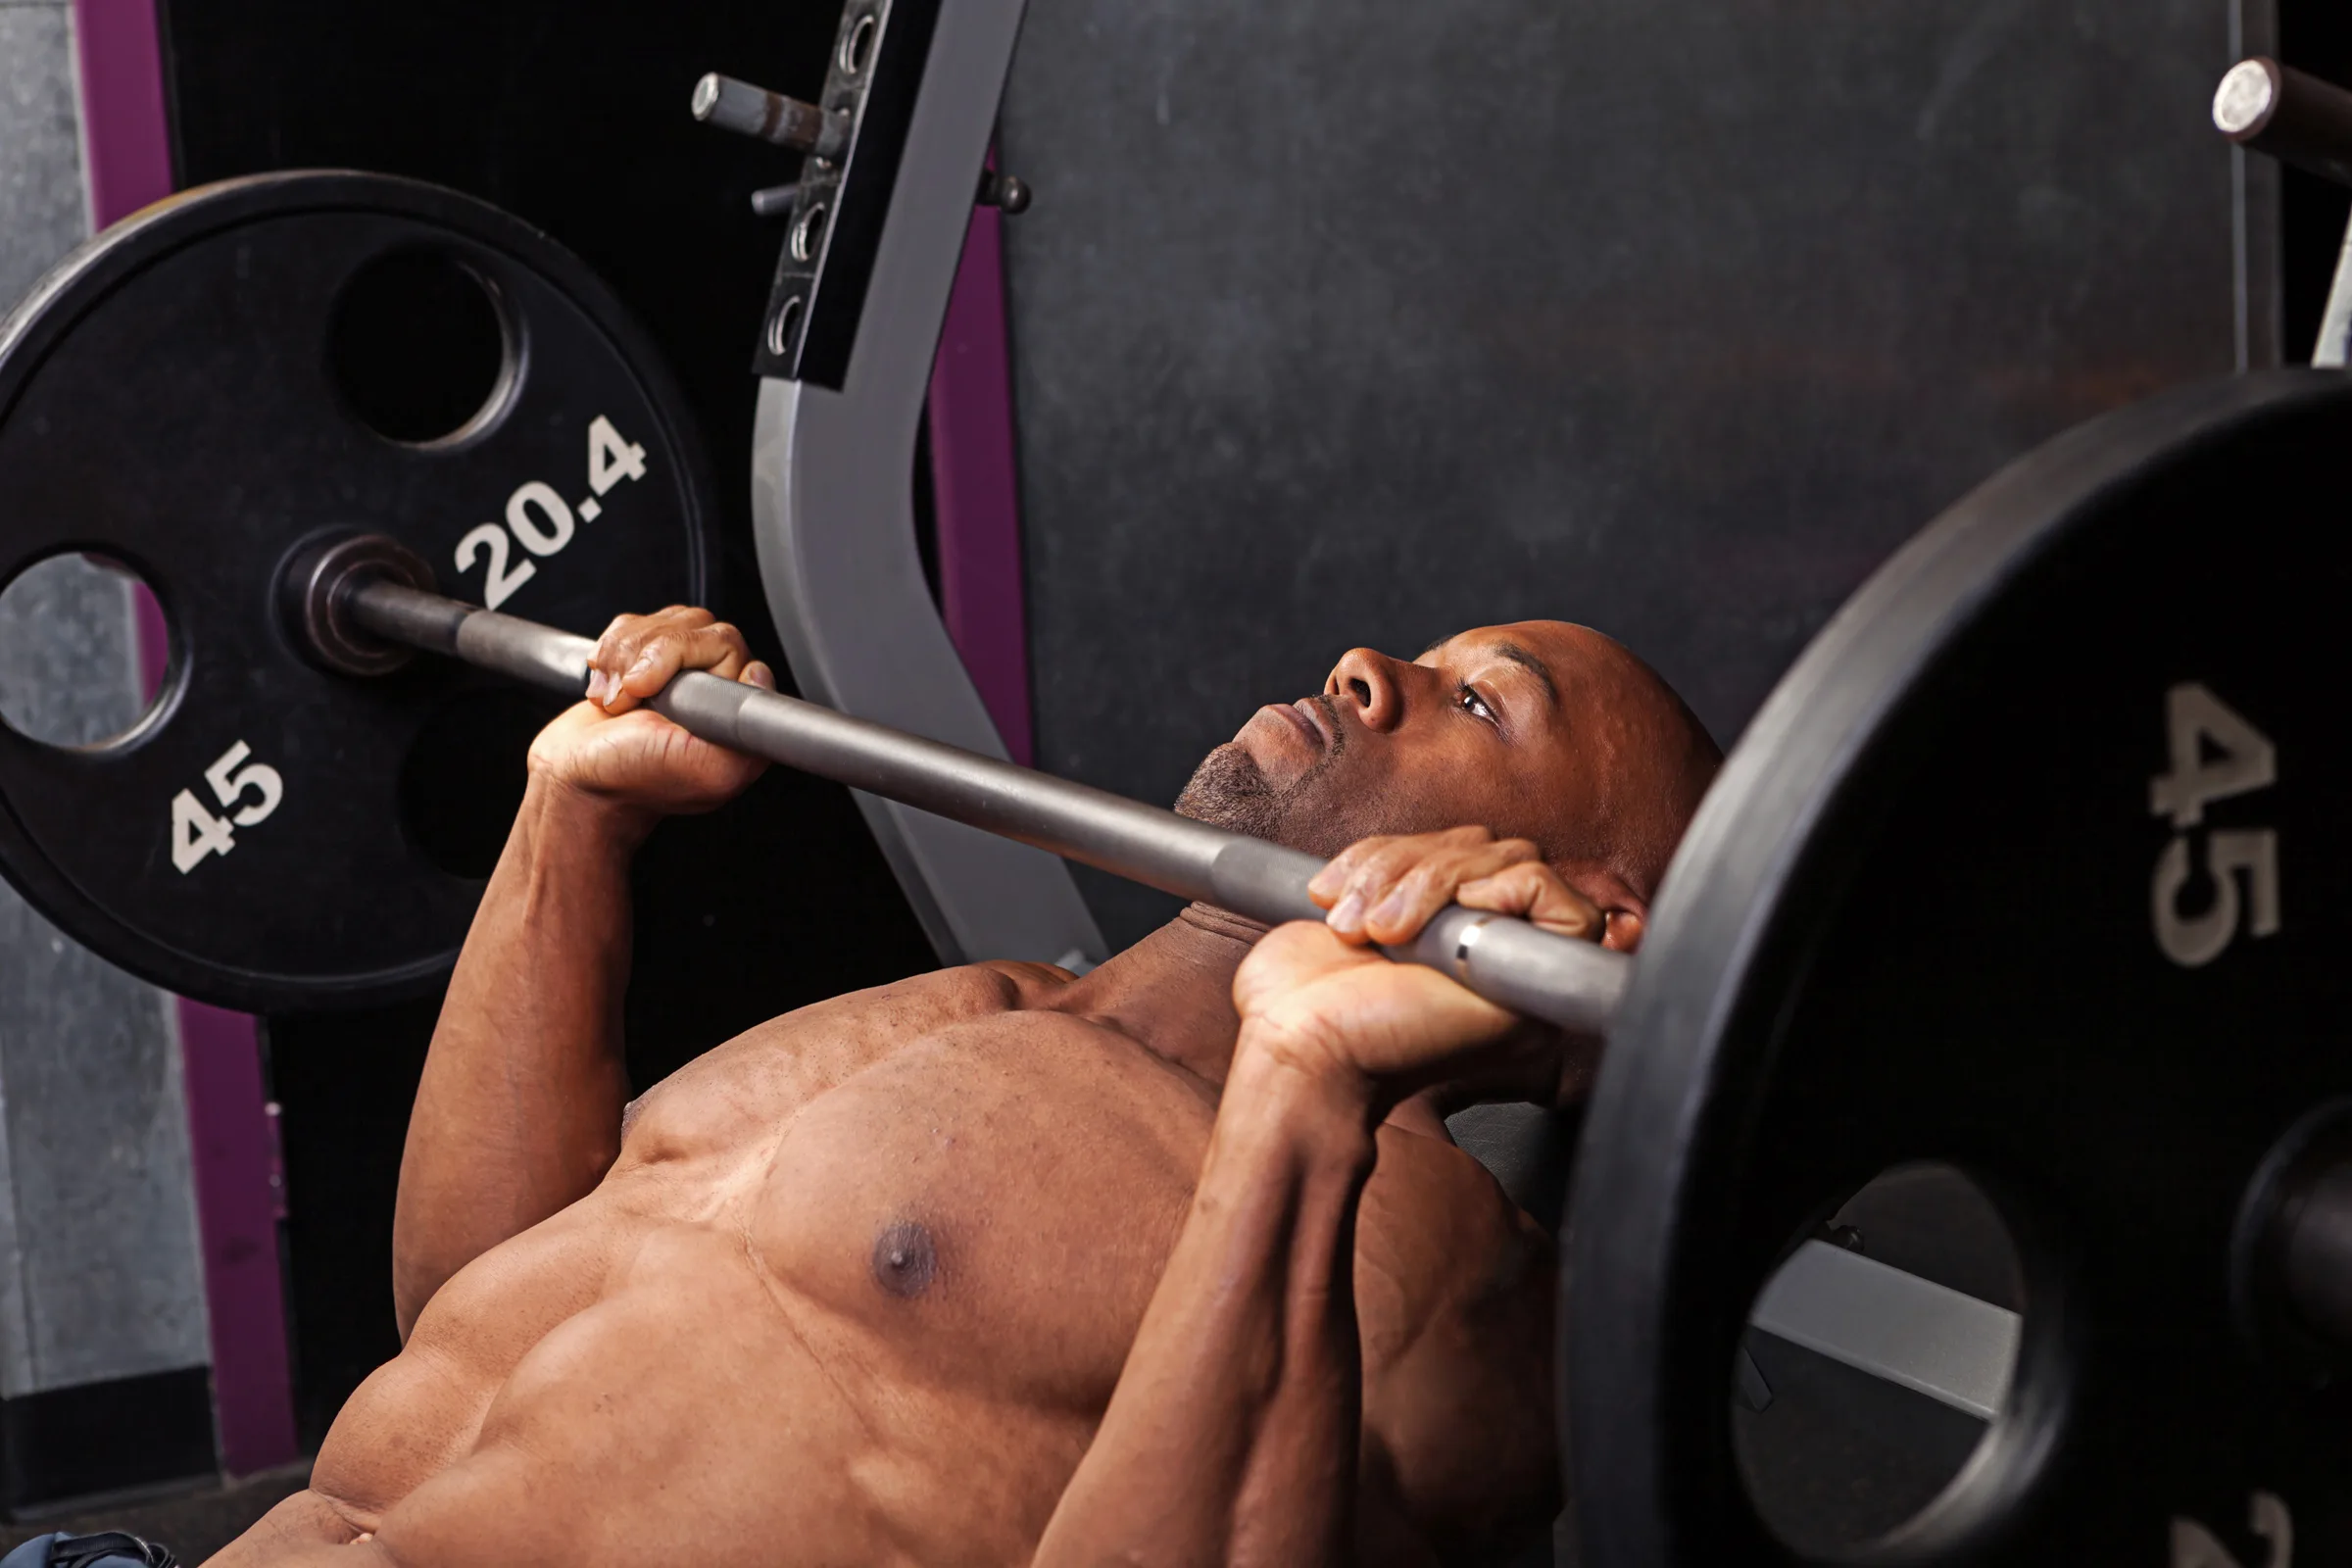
(1533, 972)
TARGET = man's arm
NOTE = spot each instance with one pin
(1234, 1435)
(518, 1111)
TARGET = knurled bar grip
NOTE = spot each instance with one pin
(1573, 984)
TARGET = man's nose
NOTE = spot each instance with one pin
(1373, 684)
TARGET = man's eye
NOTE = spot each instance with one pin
(1473, 704)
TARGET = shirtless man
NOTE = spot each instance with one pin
(860, 1285)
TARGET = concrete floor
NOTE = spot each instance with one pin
(194, 1523)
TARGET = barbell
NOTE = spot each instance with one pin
(359, 600)
(2034, 862)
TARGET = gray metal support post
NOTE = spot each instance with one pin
(833, 511)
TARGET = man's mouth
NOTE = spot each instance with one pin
(1303, 721)
(1320, 722)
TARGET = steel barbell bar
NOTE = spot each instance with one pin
(356, 601)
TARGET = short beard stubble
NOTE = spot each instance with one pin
(1229, 789)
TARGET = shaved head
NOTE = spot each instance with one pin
(1651, 761)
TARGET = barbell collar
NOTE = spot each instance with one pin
(1575, 985)
(1535, 973)
(318, 609)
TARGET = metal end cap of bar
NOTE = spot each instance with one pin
(314, 595)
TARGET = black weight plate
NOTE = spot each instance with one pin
(1919, 918)
(166, 399)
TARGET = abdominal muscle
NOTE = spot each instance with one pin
(697, 1363)
(685, 1417)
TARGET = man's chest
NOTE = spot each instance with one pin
(988, 1207)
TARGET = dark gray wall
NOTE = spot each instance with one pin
(1362, 323)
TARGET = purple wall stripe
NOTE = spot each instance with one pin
(237, 1191)
(126, 149)
(977, 489)
(125, 142)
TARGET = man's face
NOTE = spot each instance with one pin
(1486, 727)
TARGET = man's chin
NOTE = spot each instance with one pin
(1231, 791)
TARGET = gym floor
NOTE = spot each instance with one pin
(196, 1521)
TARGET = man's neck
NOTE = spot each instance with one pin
(1173, 991)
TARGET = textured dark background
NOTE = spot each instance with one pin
(1337, 326)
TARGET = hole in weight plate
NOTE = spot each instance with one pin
(418, 347)
(1877, 1360)
(72, 671)
(464, 777)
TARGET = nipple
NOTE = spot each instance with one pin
(905, 1259)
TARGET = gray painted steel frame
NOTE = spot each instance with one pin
(1930, 1337)
(834, 516)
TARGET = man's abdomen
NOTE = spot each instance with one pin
(887, 1335)
(701, 1414)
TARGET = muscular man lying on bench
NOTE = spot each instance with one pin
(999, 1264)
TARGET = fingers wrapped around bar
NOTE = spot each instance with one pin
(1386, 889)
(614, 749)
(1323, 1002)
(639, 655)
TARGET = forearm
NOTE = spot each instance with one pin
(1233, 1435)
(518, 1111)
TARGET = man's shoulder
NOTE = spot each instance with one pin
(1026, 983)
(774, 1067)
(919, 1001)
(989, 983)
(911, 1009)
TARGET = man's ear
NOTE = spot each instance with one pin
(1624, 913)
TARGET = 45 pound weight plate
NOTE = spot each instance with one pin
(2037, 863)
(269, 360)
